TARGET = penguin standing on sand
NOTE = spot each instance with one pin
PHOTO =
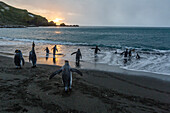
(18, 59)
(47, 50)
(54, 49)
(47, 53)
(78, 56)
(32, 56)
(66, 75)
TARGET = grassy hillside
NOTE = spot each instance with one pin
(14, 16)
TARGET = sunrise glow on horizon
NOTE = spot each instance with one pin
(84, 13)
(57, 20)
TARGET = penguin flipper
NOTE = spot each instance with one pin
(73, 53)
(23, 61)
(30, 56)
(76, 70)
(15, 59)
(56, 72)
(99, 49)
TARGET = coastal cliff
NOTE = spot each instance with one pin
(11, 16)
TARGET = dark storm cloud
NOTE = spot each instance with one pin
(102, 12)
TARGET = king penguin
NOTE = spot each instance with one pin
(96, 49)
(66, 75)
(78, 56)
(32, 56)
(18, 59)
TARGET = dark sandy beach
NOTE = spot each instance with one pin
(29, 90)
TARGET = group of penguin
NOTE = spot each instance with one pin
(128, 54)
(19, 60)
(66, 69)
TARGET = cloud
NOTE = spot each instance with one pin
(101, 12)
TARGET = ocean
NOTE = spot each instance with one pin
(151, 43)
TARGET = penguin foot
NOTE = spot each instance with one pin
(18, 67)
(34, 66)
(25, 110)
(70, 89)
(66, 91)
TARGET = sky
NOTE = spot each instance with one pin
(153, 13)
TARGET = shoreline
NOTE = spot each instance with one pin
(28, 89)
(96, 67)
(152, 60)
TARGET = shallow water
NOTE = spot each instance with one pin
(152, 44)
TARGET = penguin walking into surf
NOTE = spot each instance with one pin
(18, 59)
(96, 50)
(54, 50)
(47, 52)
(32, 56)
(130, 53)
(137, 56)
(125, 55)
(66, 75)
(78, 56)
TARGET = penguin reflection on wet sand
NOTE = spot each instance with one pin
(54, 59)
(78, 56)
(47, 55)
(32, 56)
(18, 59)
(66, 75)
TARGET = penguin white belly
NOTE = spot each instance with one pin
(21, 62)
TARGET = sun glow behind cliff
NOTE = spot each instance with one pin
(58, 21)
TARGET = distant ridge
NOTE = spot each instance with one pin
(11, 16)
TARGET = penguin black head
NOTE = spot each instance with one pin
(33, 44)
(66, 62)
(16, 51)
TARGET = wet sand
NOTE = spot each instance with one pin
(29, 90)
